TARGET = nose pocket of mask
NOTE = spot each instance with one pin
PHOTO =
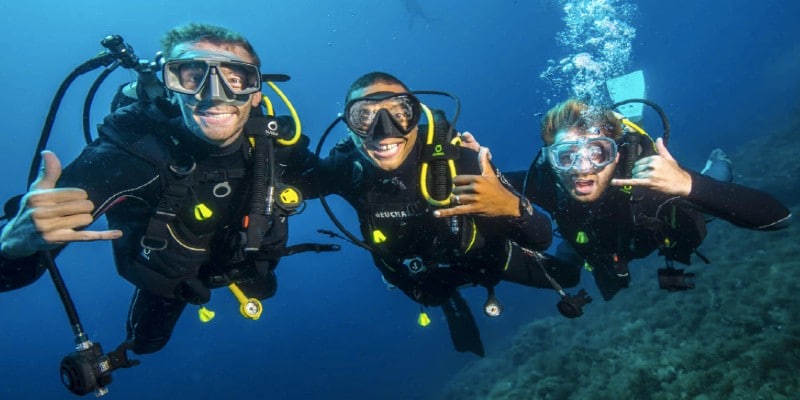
(384, 126)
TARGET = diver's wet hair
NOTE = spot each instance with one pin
(197, 32)
(370, 79)
(575, 114)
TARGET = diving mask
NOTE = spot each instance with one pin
(595, 152)
(382, 110)
(225, 79)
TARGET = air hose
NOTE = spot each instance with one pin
(87, 369)
(654, 106)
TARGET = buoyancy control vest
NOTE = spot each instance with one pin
(414, 250)
(193, 240)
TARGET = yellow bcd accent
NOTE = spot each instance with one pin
(587, 266)
(250, 308)
(378, 237)
(202, 212)
(581, 238)
(289, 196)
(423, 319)
(205, 314)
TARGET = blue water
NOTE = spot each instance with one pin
(723, 71)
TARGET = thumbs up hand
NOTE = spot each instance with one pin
(49, 216)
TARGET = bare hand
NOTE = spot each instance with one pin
(482, 194)
(49, 216)
(659, 172)
(468, 140)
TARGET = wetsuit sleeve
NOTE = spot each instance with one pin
(330, 175)
(20, 272)
(317, 178)
(532, 229)
(516, 179)
(739, 205)
(101, 170)
(302, 168)
(107, 173)
(537, 183)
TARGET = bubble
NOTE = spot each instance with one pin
(599, 37)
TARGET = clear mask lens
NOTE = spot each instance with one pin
(583, 154)
(403, 108)
(191, 76)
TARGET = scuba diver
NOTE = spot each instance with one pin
(394, 172)
(193, 190)
(616, 195)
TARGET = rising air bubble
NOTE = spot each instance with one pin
(598, 35)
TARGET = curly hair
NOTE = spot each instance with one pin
(575, 114)
(198, 32)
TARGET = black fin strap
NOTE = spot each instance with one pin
(119, 357)
(702, 256)
(299, 248)
(315, 247)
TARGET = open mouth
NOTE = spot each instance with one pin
(583, 185)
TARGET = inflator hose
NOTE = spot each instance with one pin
(654, 106)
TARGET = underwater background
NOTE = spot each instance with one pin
(726, 73)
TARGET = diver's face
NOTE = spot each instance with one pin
(584, 182)
(215, 121)
(386, 153)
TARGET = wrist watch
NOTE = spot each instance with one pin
(525, 212)
(525, 207)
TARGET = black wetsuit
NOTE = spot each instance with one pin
(418, 252)
(125, 183)
(622, 226)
